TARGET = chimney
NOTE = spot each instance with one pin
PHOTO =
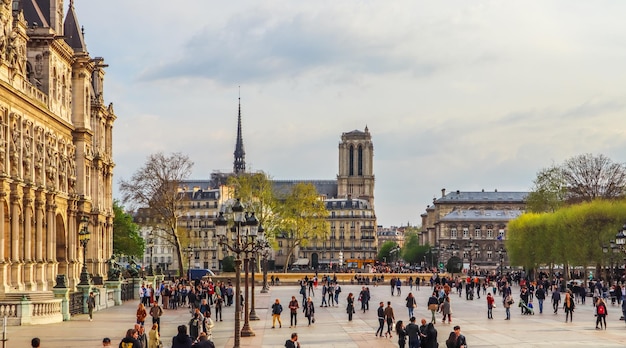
(443, 192)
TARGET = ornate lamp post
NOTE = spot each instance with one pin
(620, 240)
(150, 247)
(501, 254)
(260, 245)
(83, 238)
(243, 243)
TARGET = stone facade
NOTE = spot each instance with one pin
(459, 218)
(56, 162)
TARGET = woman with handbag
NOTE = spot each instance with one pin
(309, 310)
(411, 304)
(350, 307)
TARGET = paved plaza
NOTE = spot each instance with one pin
(332, 328)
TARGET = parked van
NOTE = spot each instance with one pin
(197, 274)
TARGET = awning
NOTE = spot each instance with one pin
(301, 262)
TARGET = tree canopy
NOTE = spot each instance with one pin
(582, 178)
(155, 187)
(384, 252)
(126, 239)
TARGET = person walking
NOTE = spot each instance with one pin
(556, 299)
(430, 341)
(293, 308)
(433, 306)
(324, 302)
(401, 334)
(411, 304)
(91, 304)
(277, 308)
(293, 342)
(130, 340)
(490, 305)
(156, 312)
(309, 310)
(540, 294)
(141, 314)
(350, 306)
(390, 318)
(331, 295)
(154, 339)
(601, 313)
(337, 292)
(195, 325)
(461, 342)
(381, 319)
(446, 310)
(508, 301)
(413, 333)
(568, 306)
(398, 286)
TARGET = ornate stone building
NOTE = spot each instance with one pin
(461, 218)
(56, 161)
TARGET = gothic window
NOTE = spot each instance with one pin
(351, 164)
(360, 160)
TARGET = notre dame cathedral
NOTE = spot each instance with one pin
(55, 151)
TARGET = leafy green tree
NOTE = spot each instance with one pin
(303, 218)
(228, 264)
(549, 191)
(385, 249)
(154, 187)
(126, 238)
(454, 265)
(412, 251)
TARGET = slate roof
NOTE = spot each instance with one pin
(345, 203)
(481, 215)
(482, 197)
(36, 13)
(73, 32)
(327, 188)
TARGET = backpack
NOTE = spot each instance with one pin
(601, 310)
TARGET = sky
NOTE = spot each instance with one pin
(462, 95)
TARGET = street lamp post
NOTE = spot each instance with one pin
(83, 238)
(260, 245)
(244, 243)
(501, 253)
(150, 246)
(189, 256)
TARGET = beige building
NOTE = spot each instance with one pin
(390, 234)
(56, 163)
(460, 219)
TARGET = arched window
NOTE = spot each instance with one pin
(360, 160)
(54, 84)
(351, 164)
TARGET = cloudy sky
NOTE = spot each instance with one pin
(464, 95)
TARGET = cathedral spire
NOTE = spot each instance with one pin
(240, 153)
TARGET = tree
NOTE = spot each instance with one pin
(384, 253)
(412, 251)
(582, 178)
(155, 187)
(126, 239)
(228, 264)
(303, 217)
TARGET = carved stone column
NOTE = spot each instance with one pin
(40, 242)
(4, 262)
(51, 264)
(16, 263)
(29, 281)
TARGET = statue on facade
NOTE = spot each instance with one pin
(132, 268)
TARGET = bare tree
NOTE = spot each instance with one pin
(590, 177)
(155, 187)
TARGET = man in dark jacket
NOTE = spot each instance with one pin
(413, 332)
(381, 319)
(203, 342)
(556, 299)
(293, 342)
(540, 294)
(182, 340)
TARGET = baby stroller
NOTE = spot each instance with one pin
(527, 309)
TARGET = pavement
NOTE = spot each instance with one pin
(332, 328)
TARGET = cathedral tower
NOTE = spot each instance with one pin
(239, 165)
(356, 166)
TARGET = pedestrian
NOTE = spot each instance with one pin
(601, 313)
(331, 295)
(181, 340)
(398, 286)
(451, 341)
(540, 294)
(130, 340)
(401, 334)
(106, 342)
(203, 342)
(350, 306)
(381, 319)
(303, 284)
(460, 339)
(390, 318)
(195, 325)
(508, 301)
(556, 299)
(309, 310)
(411, 304)
(337, 292)
(430, 341)
(154, 338)
(207, 325)
(433, 306)
(141, 337)
(446, 310)
(156, 312)
(413, 333)
(293, 342)
(568, 306)
(392, 282)
(91, 304)
(277, 308)
(219, 302)
(490, 305)
(141, 314)
(35, 342)
(293, 308)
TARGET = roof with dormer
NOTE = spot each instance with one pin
(482, 197)
(468, 215)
